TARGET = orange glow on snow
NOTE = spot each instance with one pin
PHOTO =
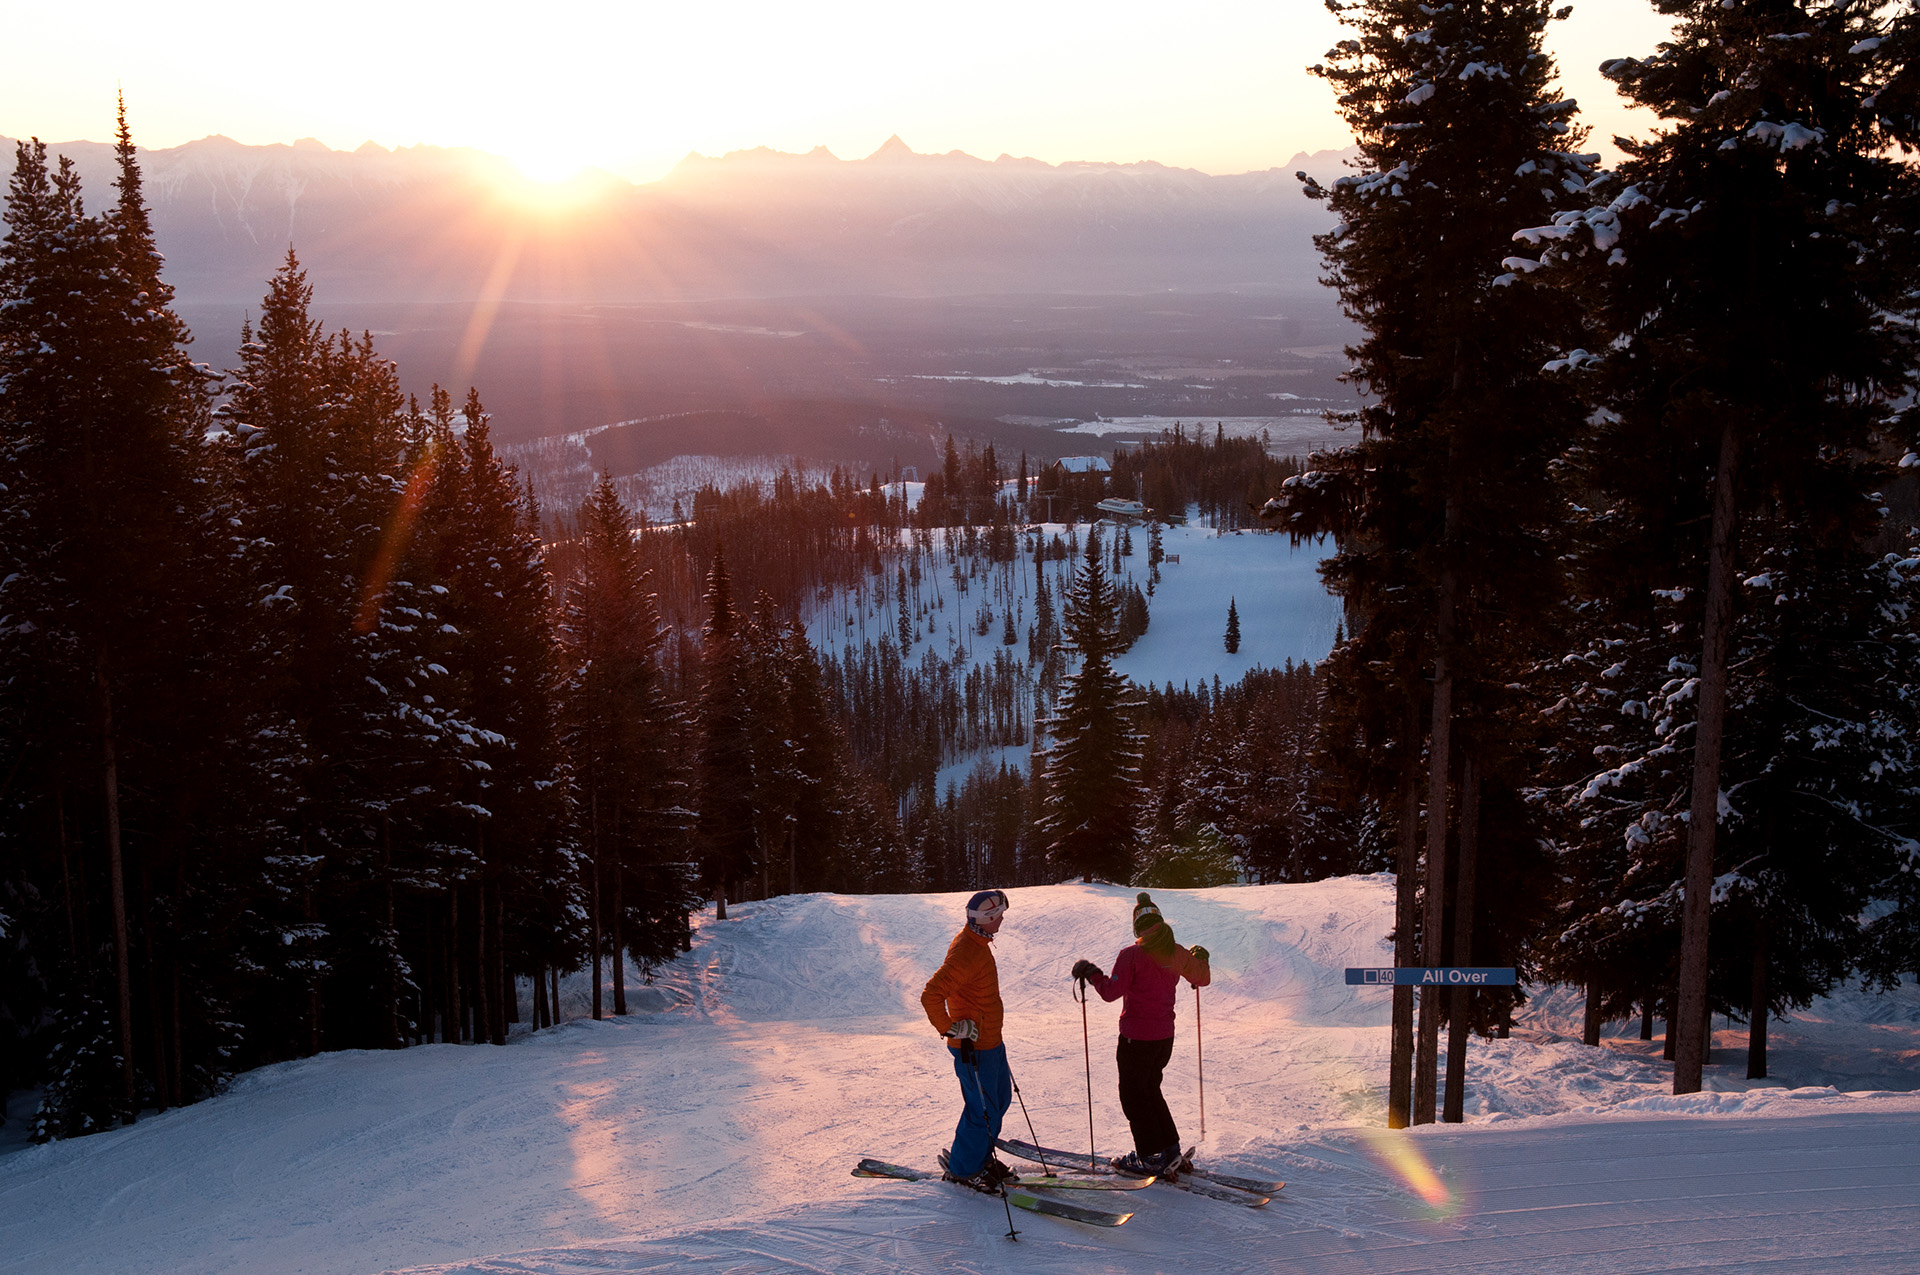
(1401, 1156)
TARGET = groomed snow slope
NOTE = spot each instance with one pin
(715, 1130)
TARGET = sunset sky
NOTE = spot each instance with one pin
(631, 86)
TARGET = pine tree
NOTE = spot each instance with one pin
(355, 696)
(101, 501)
(500, 664)
(724, 766)
(1443, 513)
(1093, 766)
(1233, 627)
(1769, 210)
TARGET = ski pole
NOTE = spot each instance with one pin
(1200, 1060)
(1086, 1047)
(966, 1052)
(1044, 1167)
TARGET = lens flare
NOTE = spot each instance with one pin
(1400, 1155)
(373, 592)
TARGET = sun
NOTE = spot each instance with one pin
(549, 167)
(552, 181)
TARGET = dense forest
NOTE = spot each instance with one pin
(1627, 540)
(320, 732)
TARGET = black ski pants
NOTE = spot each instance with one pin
(1142, 1063)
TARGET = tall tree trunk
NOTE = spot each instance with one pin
(179, 1073)
(484, 994)
(390, 941)
(1646, 1016)
(1590, 1026)
(311, 914)
(1439, 773)
(618, 931)
(162, 1090)
(390, 992)
(1406, 868)
(1690, 1051)
(540, 1018)
(117, 888)
(1461, 1027)
(66, 877)
(1757, 1011)
(454, 1029)
(505, 1011)
(593, 901)
(793, 863)
(429, 988)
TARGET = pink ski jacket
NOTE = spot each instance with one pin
(1147, 1012)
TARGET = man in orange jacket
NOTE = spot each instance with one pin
(962, 1001)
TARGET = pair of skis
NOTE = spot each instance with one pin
(1251, 1193)
(1019, 1192)
(1101, 1176)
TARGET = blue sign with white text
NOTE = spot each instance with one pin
(1432, 976)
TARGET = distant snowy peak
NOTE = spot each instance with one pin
(895, 153)
(428, 223)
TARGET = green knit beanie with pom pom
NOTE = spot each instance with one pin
(1150, 927)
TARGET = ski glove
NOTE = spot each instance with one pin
(1085, 969)
(1199, 953)
(963, 1029)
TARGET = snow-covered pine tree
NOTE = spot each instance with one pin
(818, 845)
(723, 767)
(620, 728)
(101, 502)
(501, 675)
(1751, 292)
(1443, 512)
(320, 431)
(1092, 767)
(1233, 626)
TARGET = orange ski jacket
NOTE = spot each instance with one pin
(967, 985)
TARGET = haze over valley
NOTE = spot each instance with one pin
(841, 310)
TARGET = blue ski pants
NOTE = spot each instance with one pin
(987, 1087)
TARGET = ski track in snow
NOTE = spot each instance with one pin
(714, 1129)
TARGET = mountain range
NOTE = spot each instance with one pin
(433, 224)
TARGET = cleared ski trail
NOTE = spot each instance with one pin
(716, 1128)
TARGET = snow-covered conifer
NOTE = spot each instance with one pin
(1749, 280)
(1442, 512)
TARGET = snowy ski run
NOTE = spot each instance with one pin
(692, 1134)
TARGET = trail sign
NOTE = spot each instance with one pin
(1432, 976)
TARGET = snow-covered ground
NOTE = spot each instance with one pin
(1285, 611)
(1286, 614)
(1302, 430)
(714, 1129)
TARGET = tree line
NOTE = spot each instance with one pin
(1630, 652)
(321, 733)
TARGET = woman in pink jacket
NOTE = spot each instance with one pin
(1147, 974)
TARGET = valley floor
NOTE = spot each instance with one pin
(714, 1128)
